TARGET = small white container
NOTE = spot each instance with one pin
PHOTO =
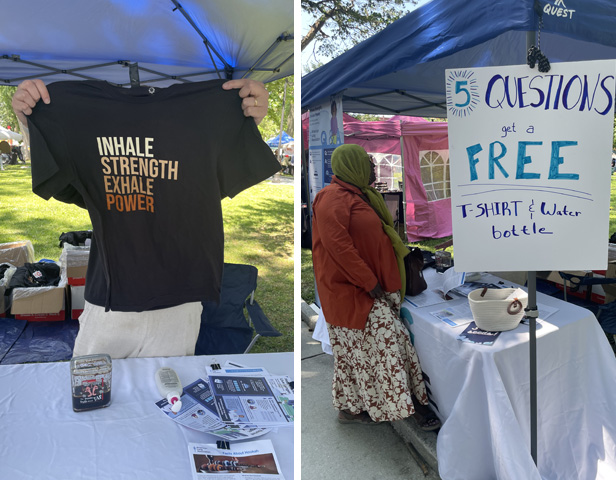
(495, 311)
(170, 387)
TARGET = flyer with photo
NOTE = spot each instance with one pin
(248, 460)
(199, 413)
(243, 399)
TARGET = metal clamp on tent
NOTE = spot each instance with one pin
(133, 73)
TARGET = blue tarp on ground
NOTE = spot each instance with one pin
(41, 342)
(401, 70)
(10, 330)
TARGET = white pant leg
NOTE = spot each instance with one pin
(157, 333)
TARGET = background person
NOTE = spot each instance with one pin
(359, 272)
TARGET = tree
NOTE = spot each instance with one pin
(7, 116)
(337, 25)
(270, 126)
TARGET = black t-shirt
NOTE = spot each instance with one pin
(151, 166)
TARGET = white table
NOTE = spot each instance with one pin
(482, 394)
(42, 438)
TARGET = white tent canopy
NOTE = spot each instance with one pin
(165, 41)
(6, 134)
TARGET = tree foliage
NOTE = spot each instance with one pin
(7, 116)
(270, 126)
(337, 25)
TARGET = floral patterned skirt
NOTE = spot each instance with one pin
(376, 369)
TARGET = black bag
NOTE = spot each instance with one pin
(77, 238)
(414, 264)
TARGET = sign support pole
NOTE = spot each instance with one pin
(531, 315)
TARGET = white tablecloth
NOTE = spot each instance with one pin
(482, 394)
(42, 438)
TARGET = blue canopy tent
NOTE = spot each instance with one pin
(159, 42)
(401, 70)
(277, 140)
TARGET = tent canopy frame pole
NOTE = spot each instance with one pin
(283, 37)
(208, 45)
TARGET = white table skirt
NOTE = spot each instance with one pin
(42, 438)
(482, 394)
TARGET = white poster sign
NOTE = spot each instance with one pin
(325, 134)
(315, 171)
(530, 166)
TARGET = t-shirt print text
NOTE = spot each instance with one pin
(129, 169)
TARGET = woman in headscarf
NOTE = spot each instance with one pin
(359, 271)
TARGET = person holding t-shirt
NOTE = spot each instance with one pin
(157, 248)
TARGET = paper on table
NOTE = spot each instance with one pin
(474, 334)
(199, 413)
(439, 293)
(454, 316)
(256, 460)
(247, 395)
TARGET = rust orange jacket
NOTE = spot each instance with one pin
(350, 253)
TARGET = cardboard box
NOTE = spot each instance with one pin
(77, 301)
(74, 261)
(39, 304)
(17, 253)
(610, 288)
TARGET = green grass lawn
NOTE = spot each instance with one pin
(307, 281)
(258, 231)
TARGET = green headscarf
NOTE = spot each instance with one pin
(351, 164)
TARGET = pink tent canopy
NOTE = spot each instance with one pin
(425, 159)
(426, 180)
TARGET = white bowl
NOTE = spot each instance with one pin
(493, 312)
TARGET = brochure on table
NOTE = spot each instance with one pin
(249, 396)
(248, 402)
(474, 334)
(255, 460)
(199, 413)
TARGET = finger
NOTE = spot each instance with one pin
(254, 102)
(253, 89)
(239, 83)
(42, 89)
(25, 99)
(33, 91)
(257, 113)
(253, 112)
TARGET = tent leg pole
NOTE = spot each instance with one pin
(532, 315)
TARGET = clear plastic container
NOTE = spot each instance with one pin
(91, 381)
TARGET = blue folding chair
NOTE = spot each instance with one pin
(237, 322)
